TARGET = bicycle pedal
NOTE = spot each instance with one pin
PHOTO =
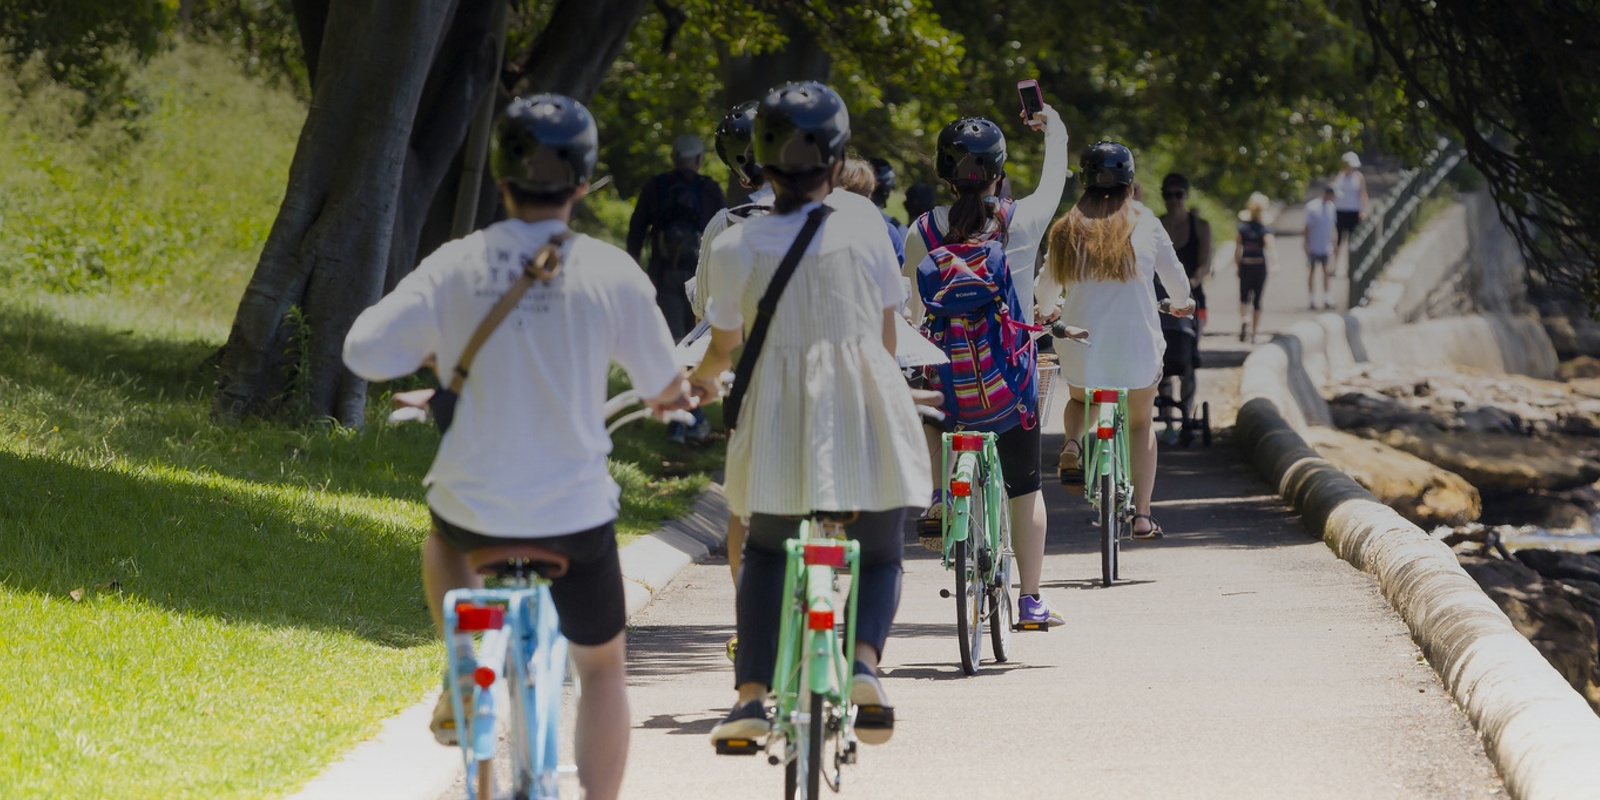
(874, 717)
(1031, 626)
(738, 747)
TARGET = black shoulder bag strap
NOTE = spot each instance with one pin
(764, 311)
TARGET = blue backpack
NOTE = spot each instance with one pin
(991, 381)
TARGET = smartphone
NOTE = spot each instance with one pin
(1032, 99)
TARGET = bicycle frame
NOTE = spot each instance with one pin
(522, 654)
(812, 659)
(1107, 455)
(972, 451)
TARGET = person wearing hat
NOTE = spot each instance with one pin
(672, 211)
(825, 421)
(534, 387)
(1350, 201)
(1104, 256)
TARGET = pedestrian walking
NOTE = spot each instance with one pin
(1321, 222)
(1350, 201)
(1104, 256)
(1253, 247)
(672, 211)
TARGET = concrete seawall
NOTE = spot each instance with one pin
(1539, 732)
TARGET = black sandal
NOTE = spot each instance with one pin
(1155, 531)
(1072, 477)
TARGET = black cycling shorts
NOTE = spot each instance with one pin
(589, 596)
(1019, 449)
(1344, 222)
(1252, 282)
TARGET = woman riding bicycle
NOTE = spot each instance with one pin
(1104, 254)
(827, 423)
(971, 160)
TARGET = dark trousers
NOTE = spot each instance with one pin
(673, 300)
(761, 602)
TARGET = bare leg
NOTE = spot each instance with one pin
(601, 738)
(1072, 419)
(1255, 322)
(1142, 446)
(1327, 281)
(1027, 538)
(444, 568)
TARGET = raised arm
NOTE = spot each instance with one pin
(1035, 212)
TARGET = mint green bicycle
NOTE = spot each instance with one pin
(976, 529)
(1106, 477)
(813, 731)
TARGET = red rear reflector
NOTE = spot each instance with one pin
(483, 676)
(825, 555)
(820, 620)
(1105, 395)
(1106, 433)
(479, 618)
(961, 488)
(966, 442)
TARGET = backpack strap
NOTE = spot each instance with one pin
(930, 232)
(768, 306)
(543, 267)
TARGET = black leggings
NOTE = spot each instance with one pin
(1252, 282)
(760, 598)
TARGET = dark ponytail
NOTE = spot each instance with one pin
(791, 189)
(971, 212)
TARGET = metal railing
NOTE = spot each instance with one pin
(1391, 218)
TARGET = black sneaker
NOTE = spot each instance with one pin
(743, 729)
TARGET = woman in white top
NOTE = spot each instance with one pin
(1349, 200)
(828, 422)
(1104, 254)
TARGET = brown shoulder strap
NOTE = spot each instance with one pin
(544, 266)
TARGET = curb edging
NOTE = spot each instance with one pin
(1537, 730)
(405, 763)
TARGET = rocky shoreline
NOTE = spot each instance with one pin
(1505, 469)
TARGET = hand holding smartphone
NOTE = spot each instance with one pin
(1032, 102)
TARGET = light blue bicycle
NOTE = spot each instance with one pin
(519, 667)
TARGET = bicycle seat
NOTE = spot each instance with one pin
(506, 560)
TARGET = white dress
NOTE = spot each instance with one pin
(1126, 344)
(828, 423)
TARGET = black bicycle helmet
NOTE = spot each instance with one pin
(971, 149)
(1107, 165)
(734, 140)
(801, 127)
(545, 143)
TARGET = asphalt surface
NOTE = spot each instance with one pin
(1238, 658)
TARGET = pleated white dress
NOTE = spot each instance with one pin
(828, 423)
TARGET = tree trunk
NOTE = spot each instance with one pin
(311, 20)
(329, 246)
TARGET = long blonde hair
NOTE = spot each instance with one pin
(1094, 242)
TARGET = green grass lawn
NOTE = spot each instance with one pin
(193, 609)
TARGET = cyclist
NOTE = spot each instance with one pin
(861, 177)
(971, 160)
(534, 388)
(828, 422)
(1105, 254)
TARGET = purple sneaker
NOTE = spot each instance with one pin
(1036, 610)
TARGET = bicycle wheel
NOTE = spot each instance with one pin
(970, 591)
(1002, 614)
(806, 765)
(814, 748)
(1109, 508)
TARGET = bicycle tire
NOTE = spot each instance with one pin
(814, 763)
(1002, 614)
(970, 591)
(1108, 528)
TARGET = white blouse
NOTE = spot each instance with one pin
(1125, 338)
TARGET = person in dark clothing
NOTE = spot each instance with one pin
(1191, 237)
(672, 210)
(919, 200)
(1252, 255)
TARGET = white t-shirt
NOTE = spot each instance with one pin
(1320, 218)
(1125, 337)
(525, 456)
(720, 222)
(1347, 190)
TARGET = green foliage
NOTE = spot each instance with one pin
(259, 34)
(177, 216)
(85, 45)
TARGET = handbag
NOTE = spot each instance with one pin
(764, 311)
(543, 267)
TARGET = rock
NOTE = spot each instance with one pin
(1580, 367)
(1378, 412)
(1497, 464)
(1586, 387)
(1490, 419)
(1550, 510)
(1541, 611)
(1560, 565)
(1562, 336)
(1419, 491)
